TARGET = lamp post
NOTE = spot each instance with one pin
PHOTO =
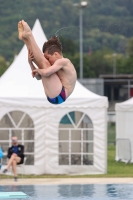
(81, 5)
(114, 64)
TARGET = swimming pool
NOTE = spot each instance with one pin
(74, 192)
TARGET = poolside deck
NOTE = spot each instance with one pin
(66, 181)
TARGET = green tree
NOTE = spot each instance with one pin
(125, 66)
(68, 46)
(112, 18)
(99, 63)
(130, 47)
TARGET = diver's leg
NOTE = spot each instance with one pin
(26, 35)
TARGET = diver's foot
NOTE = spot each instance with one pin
(24, 30)
(20, 30)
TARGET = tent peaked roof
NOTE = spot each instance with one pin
(38, 33)
(125, 106)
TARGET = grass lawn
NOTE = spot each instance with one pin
(111, 133)
(117, 169)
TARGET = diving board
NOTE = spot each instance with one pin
(13, 195)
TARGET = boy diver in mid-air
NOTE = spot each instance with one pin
(57, 73)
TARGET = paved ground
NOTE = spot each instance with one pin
(53, 181)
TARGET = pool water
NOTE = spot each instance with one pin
(74, 192)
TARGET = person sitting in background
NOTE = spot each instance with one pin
(15, 155)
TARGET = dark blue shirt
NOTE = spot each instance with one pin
(15, 149)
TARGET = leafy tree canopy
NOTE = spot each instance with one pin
(107, 28)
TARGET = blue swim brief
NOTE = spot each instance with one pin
(59, 99)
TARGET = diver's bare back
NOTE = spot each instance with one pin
(68, 77)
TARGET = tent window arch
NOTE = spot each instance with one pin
(20, 124)
(76, 139)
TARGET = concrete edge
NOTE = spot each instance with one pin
(66, 181)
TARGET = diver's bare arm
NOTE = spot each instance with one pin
(37, 75)
(32, 65)
(59, 64)
(30, 60)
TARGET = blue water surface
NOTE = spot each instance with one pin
(74, 192)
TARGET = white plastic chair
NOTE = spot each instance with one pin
(21, 166)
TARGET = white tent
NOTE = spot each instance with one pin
(124, 130)
(70, 138)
